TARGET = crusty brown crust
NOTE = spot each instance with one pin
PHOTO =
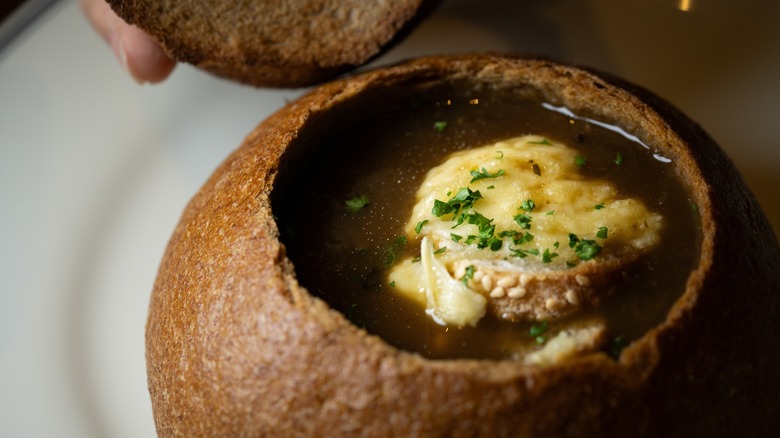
(235, 347)
(556, 294)
(292, 43)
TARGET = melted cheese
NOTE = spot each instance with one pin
(528, 168)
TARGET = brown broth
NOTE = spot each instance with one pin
(342, 257)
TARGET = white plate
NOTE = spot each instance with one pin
(95, 170)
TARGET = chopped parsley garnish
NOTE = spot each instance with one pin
(356, 203)
(493, 243)
(463, 200)
(490, 187)
(455, 237)
(499, 155)
(584, 249)
(486, 237)
(523, 253)
(579, 160)
(440, 250)
(395, 248)
(476, 175)
(523, 220)
(392, 283)
(528, 205)
(485, 225)
(518, 238)
(543, 141)
(537, 330)
(526, 237)
(416, 259)
(602, 233)
(440, 125)
(469, 274)
(551, 212)
(547, 256)
(599, 206)
(619, 159)
(419, 226)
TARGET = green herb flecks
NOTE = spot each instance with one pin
(355, 204)
(395, 248)
(420, 225)
(486, 237)
(528, 205)
(463, 200)
(602, 233)
(455, 237)
(548, 256)
(518, 238)
(476, 175)
(468, 275)
(580, 160)
(523, 253)
(537, 331)
(599, 206)
(440, 126)
(440, 250)
(523, 221)
(499, 155)
(584, 249)
(618, 159)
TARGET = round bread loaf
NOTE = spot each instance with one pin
(291, 43)
(237, 347)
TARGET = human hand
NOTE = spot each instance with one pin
(136, 51)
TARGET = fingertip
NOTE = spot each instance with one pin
(143, 57)
(138, 53)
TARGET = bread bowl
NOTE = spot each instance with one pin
(291, 43)
(236, 345)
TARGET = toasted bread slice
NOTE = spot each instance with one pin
(290, 43)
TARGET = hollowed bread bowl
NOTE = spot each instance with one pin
(237, 347)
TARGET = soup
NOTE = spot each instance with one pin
(344, 217)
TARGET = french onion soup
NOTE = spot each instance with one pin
(476, 226)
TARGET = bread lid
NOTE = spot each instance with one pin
(291, 43)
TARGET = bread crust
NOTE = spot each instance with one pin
(236, 347)
(271, 43)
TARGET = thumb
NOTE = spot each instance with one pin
(136, 51)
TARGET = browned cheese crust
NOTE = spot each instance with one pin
(290, 43)
(236, 347)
